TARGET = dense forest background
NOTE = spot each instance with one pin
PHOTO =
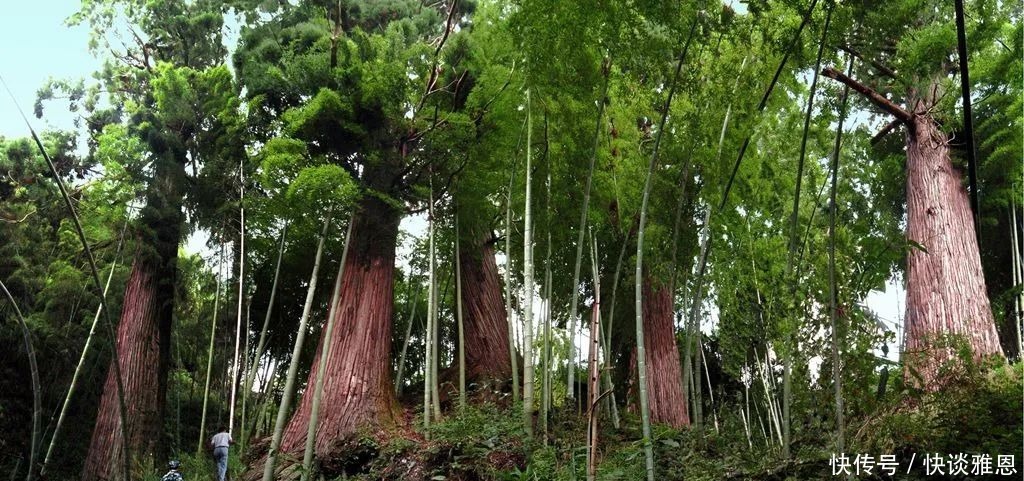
(520, 240)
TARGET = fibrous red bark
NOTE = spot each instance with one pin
(357, 387)
(946, 294)
(487, 356)
(664, 374)
(144, 333)
(141, 347)
(945, 284)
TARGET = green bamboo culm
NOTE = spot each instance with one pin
(545, 403)
(435, 329)
(122, 405)
(37, 407)
(293, 365)
(508, 271)
(209, 352)
(606, 71)
(261, 343)
(241, 296)
(458, 312)
(325, 352)
(399, 376)
(641, 361)
(528, 281)
(833, 289)
(794, 241)
(431, 302)
(85, 352)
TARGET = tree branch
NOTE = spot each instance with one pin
(882, 68)
(876, 98)
(885, 131)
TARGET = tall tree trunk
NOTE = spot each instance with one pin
(142, 340)
(357, 385)
(318, 390)
(487, 330)
(665, 395)
(945, 285)
(144, 334)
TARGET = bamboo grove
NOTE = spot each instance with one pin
(641, 233)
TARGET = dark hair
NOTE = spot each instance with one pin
(223, 429)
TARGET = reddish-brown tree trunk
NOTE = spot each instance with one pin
(357, 388)
(664, 373)
(487, 356)
(946, 293)
(141, 348)
(144, 332)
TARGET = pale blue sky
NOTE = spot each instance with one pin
(34, 46)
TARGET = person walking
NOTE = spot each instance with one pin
(219, 443)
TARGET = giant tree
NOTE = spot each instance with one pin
(946, 292)
(361, 86)
(171, 94)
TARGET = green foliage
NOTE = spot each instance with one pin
(979, 412)
(482, 441)
(329, 104)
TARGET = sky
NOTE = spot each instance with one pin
(36, 45)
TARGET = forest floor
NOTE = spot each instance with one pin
(980, 413)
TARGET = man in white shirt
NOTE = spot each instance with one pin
(219, 443)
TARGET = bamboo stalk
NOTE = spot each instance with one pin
(711, 392)
(209, 357)
(293, 365)
(528, 281)
(408, 336)
(325, 351)
(606, 70)
(965, 95)
(508, 291)
(428, 339)
(241, 290)
(37, 404)
(261, 343)
(122, 405)
(594, 366)
(1018, 273)
(461, 325)
(435, 333)
(833, 288)
(641, 361)
(790, 345)
(570, 361)
(81, 358)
